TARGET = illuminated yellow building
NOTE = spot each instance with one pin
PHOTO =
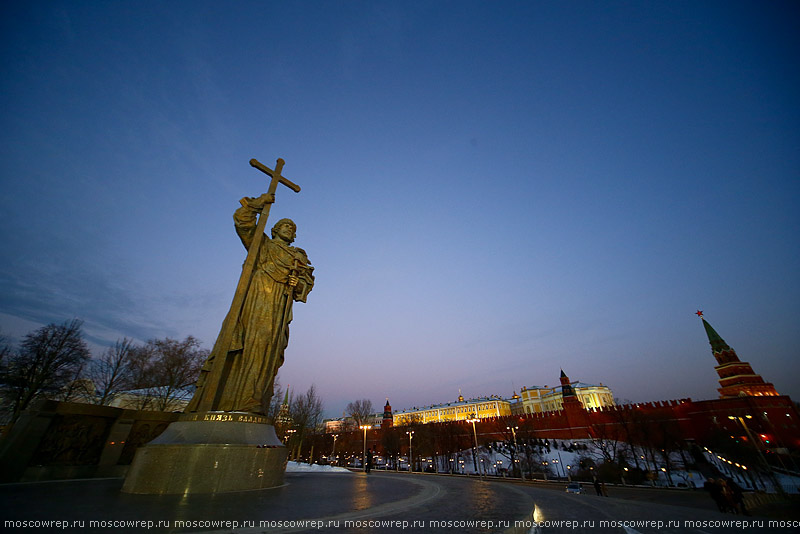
(460, 410)
(548, 399)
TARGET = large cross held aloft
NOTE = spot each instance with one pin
(276, 175)
(214, 384)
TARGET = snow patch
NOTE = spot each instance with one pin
(296, 467)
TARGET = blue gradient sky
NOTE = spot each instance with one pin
(492, 191)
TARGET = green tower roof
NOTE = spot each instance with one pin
(717, 343)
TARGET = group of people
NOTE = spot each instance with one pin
(728, 495)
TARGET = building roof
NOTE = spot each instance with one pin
(452, 404)
(575, 384)
(717, 343)
(181, 394)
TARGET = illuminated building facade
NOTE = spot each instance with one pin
(482, 408)
(549, 399)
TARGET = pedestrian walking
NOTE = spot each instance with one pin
(727, 495)
(715, 491)
(736, 497)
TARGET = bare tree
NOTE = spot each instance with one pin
(113, 371)
(161, 370)
(390, 441)
(360, 411)
(629, 421)
(508, 447)
(450, 439)
(5, 352)
(5, 349)
(605, 442)
(79, 389)
(530, 459)
(46, 361)
(276, 402)
(139, 379)
(306, 413)
(174, 365)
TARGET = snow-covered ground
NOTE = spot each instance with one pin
(296, 467)
(789, 484)
(561, 462)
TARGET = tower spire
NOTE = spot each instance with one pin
(573, 410)
(736, 378)
(568, 392)
(718, 345)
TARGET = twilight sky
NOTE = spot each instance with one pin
(492, 191)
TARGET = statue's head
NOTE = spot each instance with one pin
(287, 228)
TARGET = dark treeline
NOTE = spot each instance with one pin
(54, 362)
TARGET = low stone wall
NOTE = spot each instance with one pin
(61, 440)
(759, 499)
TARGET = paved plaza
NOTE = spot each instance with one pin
(357, 503)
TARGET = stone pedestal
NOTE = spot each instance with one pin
(209, 453)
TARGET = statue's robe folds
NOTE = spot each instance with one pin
(262, 329)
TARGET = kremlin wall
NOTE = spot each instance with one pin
(749, 410)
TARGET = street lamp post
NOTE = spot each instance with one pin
(770, 472)
(364, 457)
(289, 434)
(333, 453)
(410, 457)
(474, 420)
(558, 473)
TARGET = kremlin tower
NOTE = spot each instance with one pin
(570, 400)
(573, 410)
(387, 415)
(736, 378)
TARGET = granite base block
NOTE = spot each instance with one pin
(205, 468)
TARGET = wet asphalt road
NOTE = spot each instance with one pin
(379, 503)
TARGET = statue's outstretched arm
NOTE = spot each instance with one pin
(245, 218)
